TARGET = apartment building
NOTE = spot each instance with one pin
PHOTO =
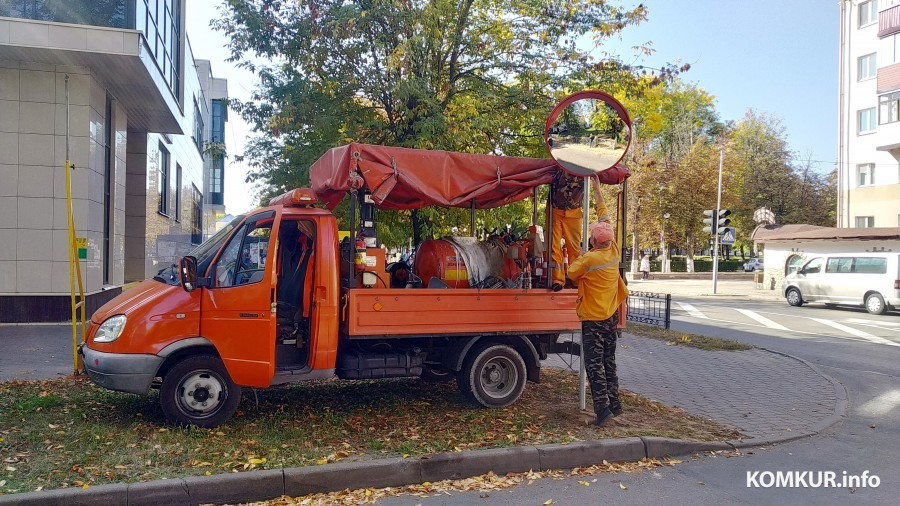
(141, 112)
(869, 114)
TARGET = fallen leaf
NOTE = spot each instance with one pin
(120, 467)
(622, 486)
(10, 468)
(584, 484)
(321, 462)
(548, 501)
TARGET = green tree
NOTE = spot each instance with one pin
(463, 75)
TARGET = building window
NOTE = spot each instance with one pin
(866, 67)
(865, 174)
(868, 13)
(198, 127)
(219, 115)
(196, 216)
(889, 108)
(177, 192)
(865, 221)
(865, 121)
(163, 183)
(160, 21)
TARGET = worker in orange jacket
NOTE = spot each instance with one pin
(601, 297)
(567, 192)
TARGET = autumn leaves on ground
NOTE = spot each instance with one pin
(66, 432)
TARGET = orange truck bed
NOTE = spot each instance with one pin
(439, 312)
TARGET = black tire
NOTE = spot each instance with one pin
(830, 305)
(875, 304)
(793, 297)
(492, 376)
(198, 391)
(436, 375)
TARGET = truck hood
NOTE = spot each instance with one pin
(144, 294)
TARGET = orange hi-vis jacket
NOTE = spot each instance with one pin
(601, 290)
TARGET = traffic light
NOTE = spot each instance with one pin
(722, 220)
(711, 221)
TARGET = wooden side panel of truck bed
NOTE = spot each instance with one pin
(424, 312)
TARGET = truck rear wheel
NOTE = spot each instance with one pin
(198, 391)
(493, 376)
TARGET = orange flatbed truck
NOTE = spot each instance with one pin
(226, 318)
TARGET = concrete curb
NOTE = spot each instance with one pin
(269, 484)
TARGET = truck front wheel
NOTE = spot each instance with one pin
(198, 391)
(493, 376)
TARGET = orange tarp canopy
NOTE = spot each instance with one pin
(403, 178)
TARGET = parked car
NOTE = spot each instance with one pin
(753, 264)
(871, 280)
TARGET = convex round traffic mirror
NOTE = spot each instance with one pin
(588, 133)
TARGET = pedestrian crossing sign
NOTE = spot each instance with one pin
(728, 236)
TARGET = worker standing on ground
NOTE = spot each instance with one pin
(567, 192)
(601, 293)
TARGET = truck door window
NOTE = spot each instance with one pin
(244, 260)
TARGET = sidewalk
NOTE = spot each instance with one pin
(739, 288)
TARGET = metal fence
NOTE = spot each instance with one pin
(650, 308)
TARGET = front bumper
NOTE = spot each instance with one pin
(124, 372)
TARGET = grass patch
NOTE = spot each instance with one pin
(69, 432)
(674, 337)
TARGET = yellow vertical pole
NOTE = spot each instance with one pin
(74, 262)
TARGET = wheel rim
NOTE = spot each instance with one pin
(201, 393)
(793, 296)
(499, 377)
(873, 304)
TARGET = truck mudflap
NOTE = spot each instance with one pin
(370, 365)
(567, 347)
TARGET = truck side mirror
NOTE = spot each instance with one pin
(188, 273)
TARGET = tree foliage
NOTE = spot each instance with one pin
(463, 75)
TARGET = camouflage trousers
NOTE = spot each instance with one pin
(599, 341)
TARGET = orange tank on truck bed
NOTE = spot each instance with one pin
(274, 297)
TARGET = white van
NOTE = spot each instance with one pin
(861, 279)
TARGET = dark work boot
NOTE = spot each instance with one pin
(616, 409)
(603, 417)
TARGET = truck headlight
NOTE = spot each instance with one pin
(111, 329)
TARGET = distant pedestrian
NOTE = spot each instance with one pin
(601, 298)
(645, 266)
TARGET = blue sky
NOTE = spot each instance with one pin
(775, 56)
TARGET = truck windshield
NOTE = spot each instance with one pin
(204, 253)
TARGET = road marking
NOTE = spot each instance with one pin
(761, 319)
(855, 332)
(691, 310)
(881, 405)
(877, 324)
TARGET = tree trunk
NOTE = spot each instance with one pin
(416, 226)
(689, 252)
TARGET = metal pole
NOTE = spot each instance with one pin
(72, 256)
(585, 208)
(716, 235)
(472, 219)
